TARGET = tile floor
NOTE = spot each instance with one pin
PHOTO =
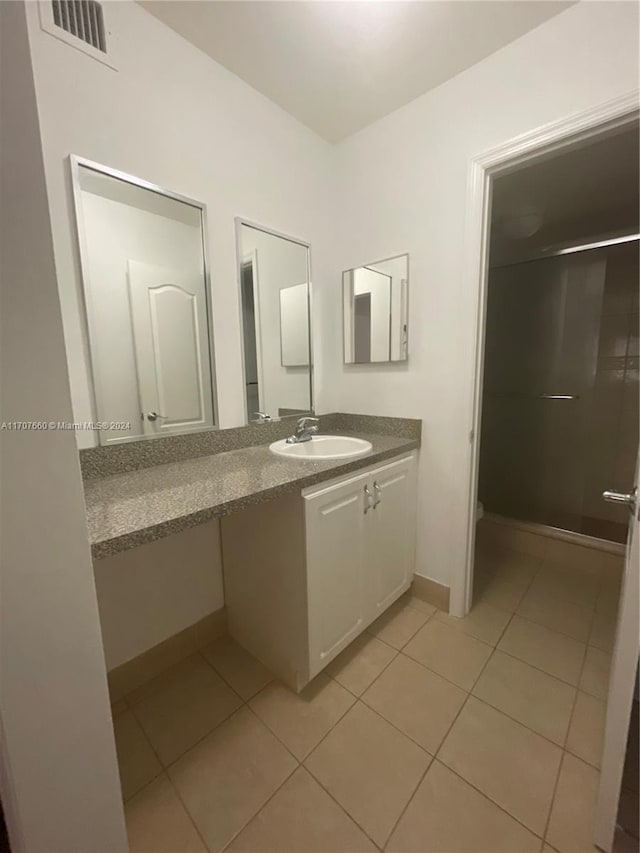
(427, 735)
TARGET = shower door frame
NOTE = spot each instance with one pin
(608, 117)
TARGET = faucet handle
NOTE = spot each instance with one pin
(262, 417)
(302, 422)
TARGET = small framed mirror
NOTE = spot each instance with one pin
(147, 298)
(276, 322)
(376, 310)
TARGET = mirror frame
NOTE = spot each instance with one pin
(352, 364)
(239, 223)
(75, 164)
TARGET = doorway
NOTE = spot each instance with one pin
(556, 405)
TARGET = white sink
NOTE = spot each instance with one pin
(322, 447)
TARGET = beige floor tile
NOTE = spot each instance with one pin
(361, 663)
(589, 561)
(238, 668)
(514, 539)
(501, 589)
(449, 652)
(157, 822)
(447, 815)
(548, 650)
(603, 630)
(136, 759)
(623, 842)
(506, 560)
(567, 584)
(555, 613)
(186, 704)
(628, 812)
(513, 766)
(586, 732)
(398, 624)
(370, 768)
(301, 720)
(417, 701)
(595, 673)
(301, 818)
(118, 707)
(608, 597)
(571, 824)
(537, 700)
(483, 622)
(226, 778)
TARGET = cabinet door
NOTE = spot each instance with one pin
(335, 519)
(390, 534)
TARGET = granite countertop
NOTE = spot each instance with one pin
(128, 509)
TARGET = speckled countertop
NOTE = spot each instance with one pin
(128, 509)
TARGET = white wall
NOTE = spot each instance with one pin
(403, 188)
(154, 591)
(281, 263)
(58, 773)
(172, 116)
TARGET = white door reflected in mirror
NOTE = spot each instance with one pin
(169, 319)
(274, 299)
(145, 281)
(375, 309)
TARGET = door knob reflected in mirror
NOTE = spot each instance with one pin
(154, 416)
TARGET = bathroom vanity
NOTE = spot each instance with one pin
(305, 574)
(313, 549)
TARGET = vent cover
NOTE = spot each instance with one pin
(83, 19)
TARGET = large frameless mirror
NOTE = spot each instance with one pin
(147, 298)
(275, 304)
(376, 302)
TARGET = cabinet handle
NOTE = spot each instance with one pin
(367, 498)
(378, 492)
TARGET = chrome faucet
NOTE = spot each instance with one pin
(305, 429)
(262, 417)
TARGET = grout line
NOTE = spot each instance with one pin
(260, 808)
(553, 795)
(487, 797)
(435, 758)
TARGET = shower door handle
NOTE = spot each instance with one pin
(624, 498)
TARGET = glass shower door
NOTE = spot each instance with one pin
(541, 356)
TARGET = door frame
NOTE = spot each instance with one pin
(251, 258)
(508, 157)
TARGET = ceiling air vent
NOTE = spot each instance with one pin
(83, 19)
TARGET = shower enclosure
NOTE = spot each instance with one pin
(560, 399)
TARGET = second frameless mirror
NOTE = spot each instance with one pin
(274, 288)
(375, 302)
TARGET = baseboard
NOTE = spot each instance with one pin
(431, 591)
(556, 533)
(137, 671)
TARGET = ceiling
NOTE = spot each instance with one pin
(338, 66)
(588, 193)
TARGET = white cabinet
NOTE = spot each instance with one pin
(390, 539)
(306, 573)
(360, 537)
